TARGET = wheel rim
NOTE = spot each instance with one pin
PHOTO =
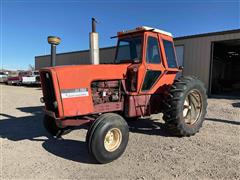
(192, 107)
(112, 139)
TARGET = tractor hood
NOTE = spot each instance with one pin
(81, 76)
(72, 85)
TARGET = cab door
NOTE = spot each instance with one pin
(153, 63)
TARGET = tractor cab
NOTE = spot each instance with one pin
(151, 53)
(147, 45)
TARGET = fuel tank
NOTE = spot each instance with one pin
(72, 85)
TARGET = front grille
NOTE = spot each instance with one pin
(48, 92)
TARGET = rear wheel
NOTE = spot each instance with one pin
(185, 106)
(51, 127)
(107, 137)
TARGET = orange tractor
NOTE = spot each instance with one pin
(139, 83)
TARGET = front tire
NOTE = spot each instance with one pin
(185, 106)
(107, 137)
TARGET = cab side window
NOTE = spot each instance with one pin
(170, 55)
(153, 55)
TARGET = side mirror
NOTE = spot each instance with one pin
(180, 68)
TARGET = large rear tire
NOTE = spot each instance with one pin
(185, 106)
(107, 137)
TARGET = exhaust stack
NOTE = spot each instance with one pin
(54, 41)
(94, 48)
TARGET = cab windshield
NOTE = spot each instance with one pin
(129, 49)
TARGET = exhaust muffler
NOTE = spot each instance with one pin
(94, 47)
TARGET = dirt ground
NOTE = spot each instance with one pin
(28, 153)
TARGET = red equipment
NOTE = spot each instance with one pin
(140, 83)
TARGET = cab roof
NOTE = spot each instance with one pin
(144, 28)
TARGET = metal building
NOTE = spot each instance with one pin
(213, 57)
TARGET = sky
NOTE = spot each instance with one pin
(25, 24)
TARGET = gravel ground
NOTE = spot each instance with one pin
(28, 153)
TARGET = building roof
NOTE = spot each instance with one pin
(208, 34)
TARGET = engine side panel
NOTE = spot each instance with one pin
(106, 91)
(107, 96)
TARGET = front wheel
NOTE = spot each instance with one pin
(185, 106)
(107, 137)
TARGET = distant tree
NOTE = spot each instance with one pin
(31, 67)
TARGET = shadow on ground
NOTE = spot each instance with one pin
(237, 105)
(230, 96)
(149, 127)
(69, 149)
(31, 128)
(223, 121)
(21, 128)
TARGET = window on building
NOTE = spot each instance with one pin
(153, 55)
(169, 51)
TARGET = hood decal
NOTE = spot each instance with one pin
(72, 93)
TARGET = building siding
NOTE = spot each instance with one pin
(197, 54)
